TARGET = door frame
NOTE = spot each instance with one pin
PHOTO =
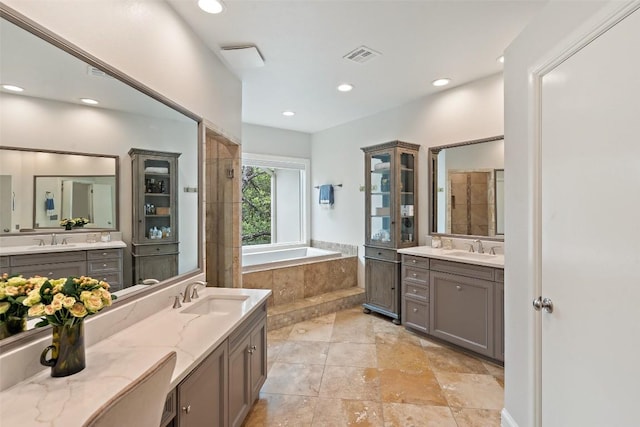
(600, 23)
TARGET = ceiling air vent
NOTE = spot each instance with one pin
(96, 72)
(361, 55)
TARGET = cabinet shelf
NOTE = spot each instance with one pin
(157, 175)
(158, 216)
(380, 193)
(158, 194)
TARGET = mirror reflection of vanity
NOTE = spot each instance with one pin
(62, 158)
(467, 187)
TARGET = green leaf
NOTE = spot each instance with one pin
(69, 287)
(43, 322)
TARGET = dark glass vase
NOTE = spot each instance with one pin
(68, 226)
(13, 325)
(67, 350)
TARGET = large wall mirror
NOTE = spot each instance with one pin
(62, 157)
(39, 188)
(467, 189)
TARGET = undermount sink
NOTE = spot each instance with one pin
(51, 247)
(470, 255)
(217, 304)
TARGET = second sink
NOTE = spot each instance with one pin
(218, 305)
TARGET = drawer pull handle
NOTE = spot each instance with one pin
(458, 287)
(415, 310)
(413, 261)
(104, 254)
(186, 409)
(157, 249)
(415, 291)
(104, 265)
(415, 275)
(379, 253)
(50, 273)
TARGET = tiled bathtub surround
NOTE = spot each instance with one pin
(348, 368)
(307, 290)
(347, 250)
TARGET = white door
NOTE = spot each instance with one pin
(102, 207)
(590, 233)
(67, 199)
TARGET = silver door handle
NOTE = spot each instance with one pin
(540, 303)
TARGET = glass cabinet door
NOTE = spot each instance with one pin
(407, 199)
(381, 214)
(158, 210)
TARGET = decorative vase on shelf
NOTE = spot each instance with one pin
(67, 350)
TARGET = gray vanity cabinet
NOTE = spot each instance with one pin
(247, 366)
(202, 397)
(53, 265)
(462, 311)
(499, 316)
(221, 390)
(457, 302)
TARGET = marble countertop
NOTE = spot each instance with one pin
(6, 250)
(115, 362)
(458, 255)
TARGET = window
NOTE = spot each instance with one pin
(274, 200)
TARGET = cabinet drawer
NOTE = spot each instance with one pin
(415, 291)
(110, 265)
(469, 270)
(383, 254)
(113, 279)
(415, 261)
(416, 315)
(49, 258)
(160, 249)
(53, 271)
(104, 254)
(499, 275)
(414, 274)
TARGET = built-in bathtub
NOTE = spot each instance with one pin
(305, 282)
(284, 257)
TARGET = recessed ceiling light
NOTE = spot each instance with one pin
(345, 87)
(211, 6)
(13, 88)
(288, 113)
(441, 82)
(89, 101)
(500, 59)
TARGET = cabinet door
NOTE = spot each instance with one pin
(462, 311)
(239, 382)
(381, 284)
(379, 204)
(202, 395)
(499, 319)
(258, 358)
(158, 267)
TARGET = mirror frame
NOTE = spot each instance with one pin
(36, 29)
(73, 153)
(433, 184)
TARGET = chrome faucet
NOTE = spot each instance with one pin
(480, 248)
(40, 242)
(191, 292)
(54, 240)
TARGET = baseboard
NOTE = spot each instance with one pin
(506, 419)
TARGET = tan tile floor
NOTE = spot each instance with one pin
(353, 369)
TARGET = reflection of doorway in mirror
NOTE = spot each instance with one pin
(499, 174)
(6, 203)
(470, 205)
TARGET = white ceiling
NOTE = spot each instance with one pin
(304, 41)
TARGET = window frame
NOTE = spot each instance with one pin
(283, 162)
